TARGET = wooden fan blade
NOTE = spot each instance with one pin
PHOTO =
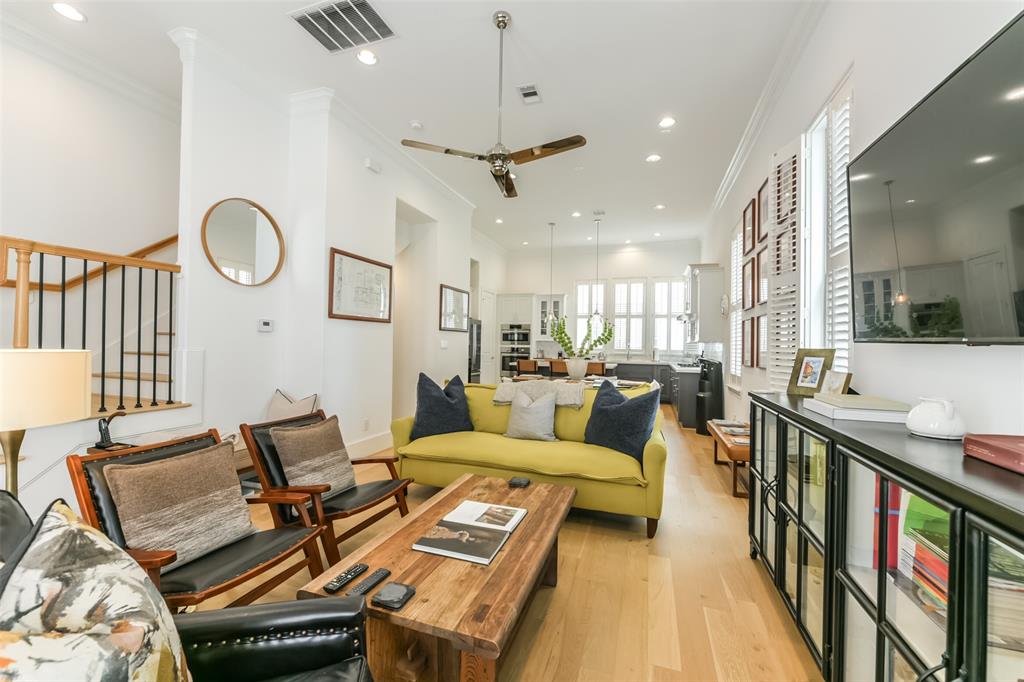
(443, 150)
(548, 149)
(505, 184)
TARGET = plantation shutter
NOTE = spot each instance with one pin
(736, 305)
(784, 264)
(838, 280)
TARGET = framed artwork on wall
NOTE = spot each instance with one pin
(762, 276)
(749, 238)
(749, 275)
(750, 342)
(762, 341)
(359, 288)
(454, 310)
(762, 212)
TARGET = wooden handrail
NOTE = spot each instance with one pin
(135, 259)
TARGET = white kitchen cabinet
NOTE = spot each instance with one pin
(704, 286)
(554, 303)
(515, 309)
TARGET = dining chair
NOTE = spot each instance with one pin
(559, 368)
(526, 366)
(595, 368)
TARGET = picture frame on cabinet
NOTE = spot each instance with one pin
(761, 267)
(762, 211)
(749, 218)
(761, 361)
(749, 276)
(359, 288)
(453, 309)
(809, 370)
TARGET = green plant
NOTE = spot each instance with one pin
(587, 345)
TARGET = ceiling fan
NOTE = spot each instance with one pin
(499, 157)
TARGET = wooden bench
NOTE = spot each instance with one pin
(738, 455)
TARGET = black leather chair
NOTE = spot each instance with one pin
(327, 510)
(298, 641)
(221, 569)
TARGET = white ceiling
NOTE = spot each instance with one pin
(606, 70)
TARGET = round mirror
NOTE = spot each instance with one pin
(242, 242)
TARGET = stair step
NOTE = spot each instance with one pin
(131, 376)
(129, 406)
(162, 353)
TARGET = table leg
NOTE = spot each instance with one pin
(735, 488)
(549, 578)
(473, 668)
(715, 455)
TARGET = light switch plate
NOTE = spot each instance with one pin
(265, 326)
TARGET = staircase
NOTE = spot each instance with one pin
(120, 307)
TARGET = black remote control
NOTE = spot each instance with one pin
(369, 582)
(339, 581)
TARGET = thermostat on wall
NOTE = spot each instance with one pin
(265, 326)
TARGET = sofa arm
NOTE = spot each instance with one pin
(401, 432)
(655, 454)
(268, 640)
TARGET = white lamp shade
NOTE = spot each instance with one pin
(44, 387)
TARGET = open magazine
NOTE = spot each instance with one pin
(473, 531)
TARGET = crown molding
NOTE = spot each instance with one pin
(807, 18)
(23, 36)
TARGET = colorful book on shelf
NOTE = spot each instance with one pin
(1003, 451)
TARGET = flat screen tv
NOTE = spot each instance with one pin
(937, 210)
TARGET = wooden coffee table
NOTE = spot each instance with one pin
(463, 615)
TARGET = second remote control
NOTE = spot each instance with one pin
(342, 579)
(369, 582)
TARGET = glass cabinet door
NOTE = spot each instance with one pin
(791, 453)
(812, 593)
(814, 468)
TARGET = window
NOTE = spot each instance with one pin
(589, 298)
(736, 306)
(629, 314)
(669, 333)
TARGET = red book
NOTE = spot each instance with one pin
(892, 545)
(1003, 451)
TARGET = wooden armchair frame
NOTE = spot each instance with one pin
(153, 560)
(325, 519)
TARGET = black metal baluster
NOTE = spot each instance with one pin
(103, 343)
(85, 296)
(138, 349)
(39, 340)
(156, 300)
(170, 336)
(120, 390)
(63, 295)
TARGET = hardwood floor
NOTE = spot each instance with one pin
(688, 605)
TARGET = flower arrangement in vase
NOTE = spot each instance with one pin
(576, 362)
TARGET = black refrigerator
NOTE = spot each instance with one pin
(474, 351)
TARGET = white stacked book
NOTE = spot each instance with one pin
(863, 408)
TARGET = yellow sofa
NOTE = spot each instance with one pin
(605, 480)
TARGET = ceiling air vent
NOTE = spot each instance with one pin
(530, 94)
(343, 25)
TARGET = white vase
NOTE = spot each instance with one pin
(577, 368)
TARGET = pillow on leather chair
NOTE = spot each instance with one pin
(74, 606)
(314, 454)
(621, 423)
(191, 503)
(440, 410)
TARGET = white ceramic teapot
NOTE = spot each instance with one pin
(936, 418)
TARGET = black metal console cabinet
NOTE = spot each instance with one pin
(898, 558)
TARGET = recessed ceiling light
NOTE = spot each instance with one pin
(589, 238)
(861, 176)
(1015, 95)
(68, 12)
(653, 158)
(666, 123)
(658, 207)
(499, 221)
(525, 243)
(984, 159)
(657, 234)
(416, 125)
(629, 241)
(577, 168)
(576, 214)
(911, 201)
(367, 57)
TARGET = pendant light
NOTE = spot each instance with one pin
(551, 319)
(596, 320)
(901, 296)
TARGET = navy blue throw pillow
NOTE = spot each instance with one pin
(621, 423)
(440, 411)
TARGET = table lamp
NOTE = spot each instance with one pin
(40, 388)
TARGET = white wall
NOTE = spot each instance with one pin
(898, 52)
(493, 263)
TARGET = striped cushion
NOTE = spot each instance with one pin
(191, 503)
(314, 454)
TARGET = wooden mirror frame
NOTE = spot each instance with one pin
(277, 233)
